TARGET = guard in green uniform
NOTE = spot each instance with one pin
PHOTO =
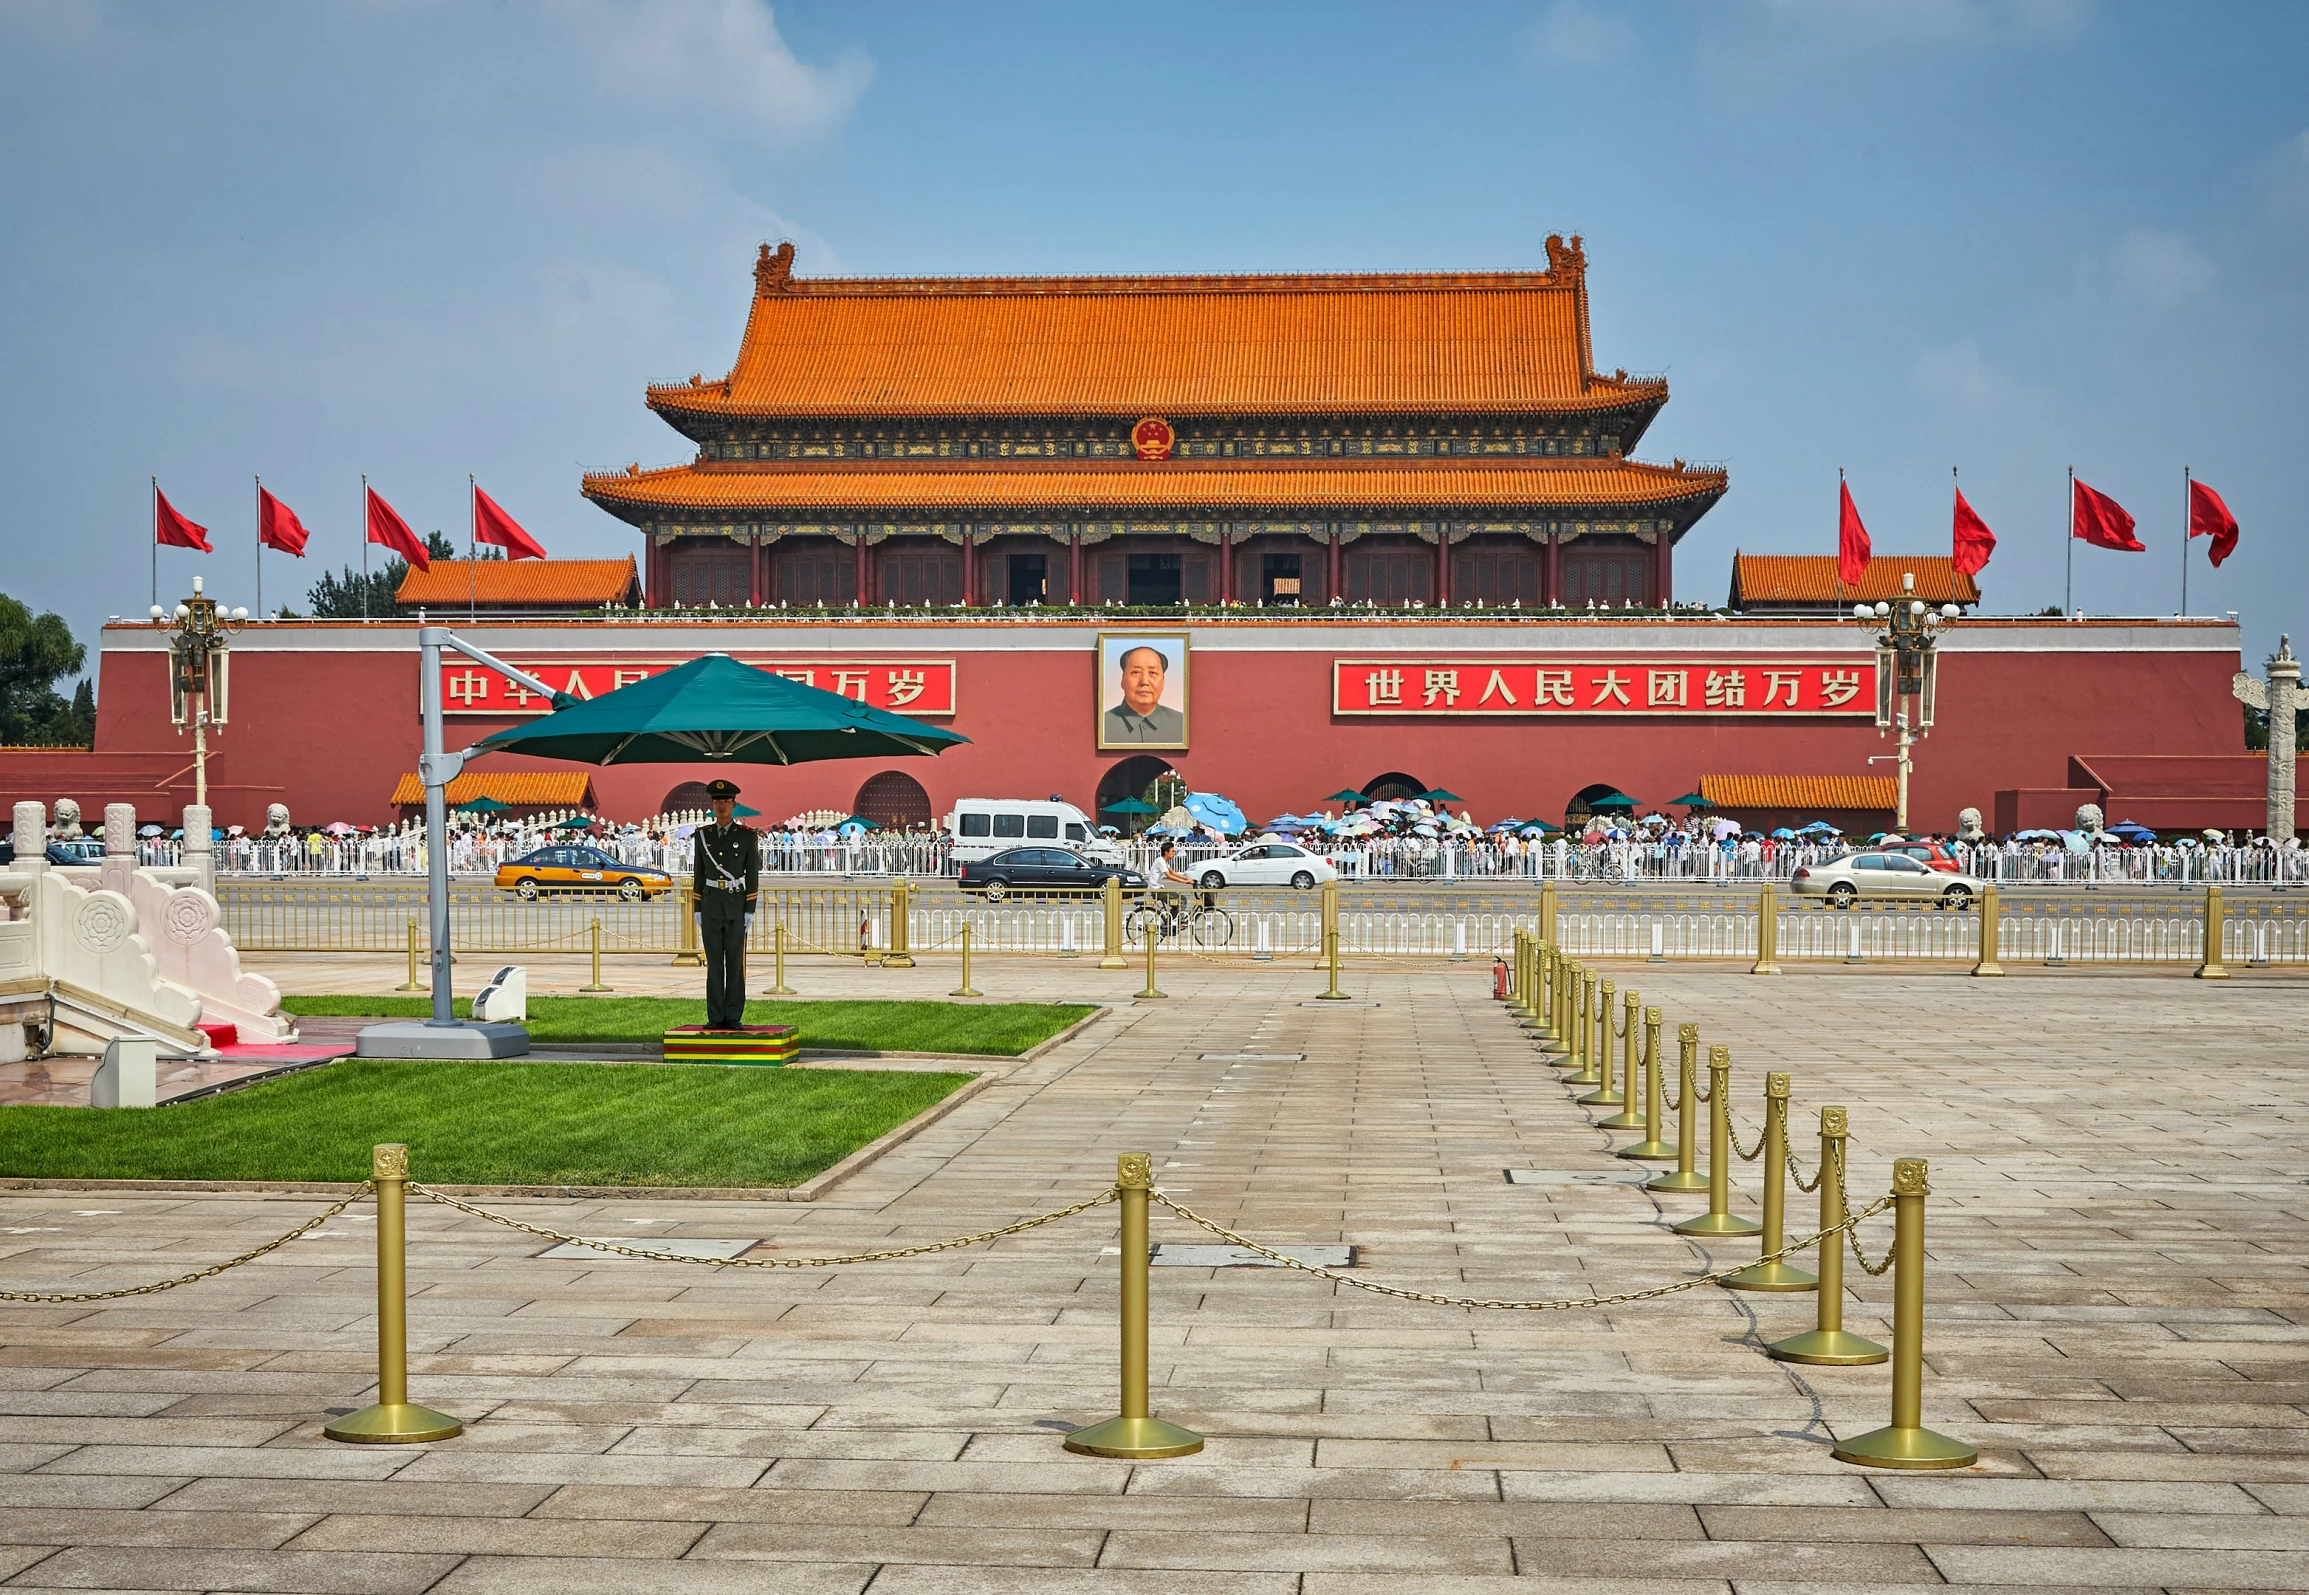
(728, 877)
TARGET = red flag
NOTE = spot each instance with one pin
(1974, 541)
(2209, 517)
(2101, 521)
(171, 530)
(493, 526)
(278, 526)
(1852, 551)
(389, 530)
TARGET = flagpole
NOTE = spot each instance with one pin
(472, 546)
(2184, 540)
(364, 524)
(156, 542)
(260, 482)
(1839, 541)
(2068, 588)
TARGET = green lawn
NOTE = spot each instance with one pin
(990, 1030)
(488, 1124)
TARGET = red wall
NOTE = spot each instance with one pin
(334, 730)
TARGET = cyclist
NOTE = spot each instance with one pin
(1167, 890)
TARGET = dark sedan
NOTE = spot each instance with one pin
(1043, 869)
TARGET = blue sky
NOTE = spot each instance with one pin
(421, 239)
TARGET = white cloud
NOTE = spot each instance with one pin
(2157, 268)
(718, 57)
(1572, 34)
(1957, 378)
(1877, 22)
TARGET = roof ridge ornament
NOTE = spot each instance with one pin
(1566, 260)
(774, 270)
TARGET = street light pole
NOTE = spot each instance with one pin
(197, 682)
(1907, 674)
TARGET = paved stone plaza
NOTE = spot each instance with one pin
(2118, 1320)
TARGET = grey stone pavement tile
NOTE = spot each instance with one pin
(2118, 1315)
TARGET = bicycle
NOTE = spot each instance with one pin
(1209, 924)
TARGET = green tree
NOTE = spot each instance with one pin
(34, 652)
(2257, 730)
(351, 595)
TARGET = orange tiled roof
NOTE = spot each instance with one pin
(559, 789)
(1131, 485)
(1173, 346)
(591, 583)
(1844, 792)
(1811, 579)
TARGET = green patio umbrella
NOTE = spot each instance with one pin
(1130, 805)
(1345, 795)
(714, 710)
(1441, 796)
(575, 822)
(1617, 800)
(483, 805)
(1690, 800)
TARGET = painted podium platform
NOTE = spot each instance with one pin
(769, 1045)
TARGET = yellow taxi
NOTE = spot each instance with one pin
(573, 867)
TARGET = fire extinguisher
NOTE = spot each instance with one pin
(1499, 979)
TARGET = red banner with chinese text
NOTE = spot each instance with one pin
(1738, 686)
(903, 686)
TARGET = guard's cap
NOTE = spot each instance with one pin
(721, 789)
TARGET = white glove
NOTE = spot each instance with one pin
(749, 924)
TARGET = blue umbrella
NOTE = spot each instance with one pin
(1220, 814)
(1783, 834)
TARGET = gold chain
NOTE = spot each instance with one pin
(1732, 1134)
(1796, 1173)
(1100, 1200)
(1852, 1230)
(306, 1228)
(1567, 1304)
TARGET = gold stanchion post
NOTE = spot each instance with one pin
(1153, 935)
(1719, 1219)
(412, 983)
(1629, 1117)
(778, 941)
(968, 990)
(394, 1420)
(689, 954)
(2216, 931)
(1828, 1342)
(1547, 912)
(1685, 1178)
(1988, 964)
(1905, 1442)
(1651, 1149)
(595, 984)
(1545, 972)
(1780, 1275)
(1136, 1433)
(1767, 933)
(1604, 1096)
(1581, 1058)
(1110, 952)
(900, 954)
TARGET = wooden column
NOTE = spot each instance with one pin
(862, 593)
(1335, 588)
(1663, 572)
(1074, 568)
(757, 572)
(1554, 573)
(1442, 567)
(1226, 565)
(969, 568)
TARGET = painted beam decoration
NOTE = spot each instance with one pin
(904, 686)
(1712, 688)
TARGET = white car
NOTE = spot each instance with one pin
(1266, 864)
(1884, 875)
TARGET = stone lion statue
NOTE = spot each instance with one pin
(1968, 826)
(276, 821)
(2090, 820)
(67, 820)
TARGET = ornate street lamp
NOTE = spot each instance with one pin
(197, 675)
(1907, 668)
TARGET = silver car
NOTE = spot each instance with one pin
(1884, 875)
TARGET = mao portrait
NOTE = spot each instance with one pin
(1142, 690)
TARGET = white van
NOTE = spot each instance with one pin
(983, 827)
